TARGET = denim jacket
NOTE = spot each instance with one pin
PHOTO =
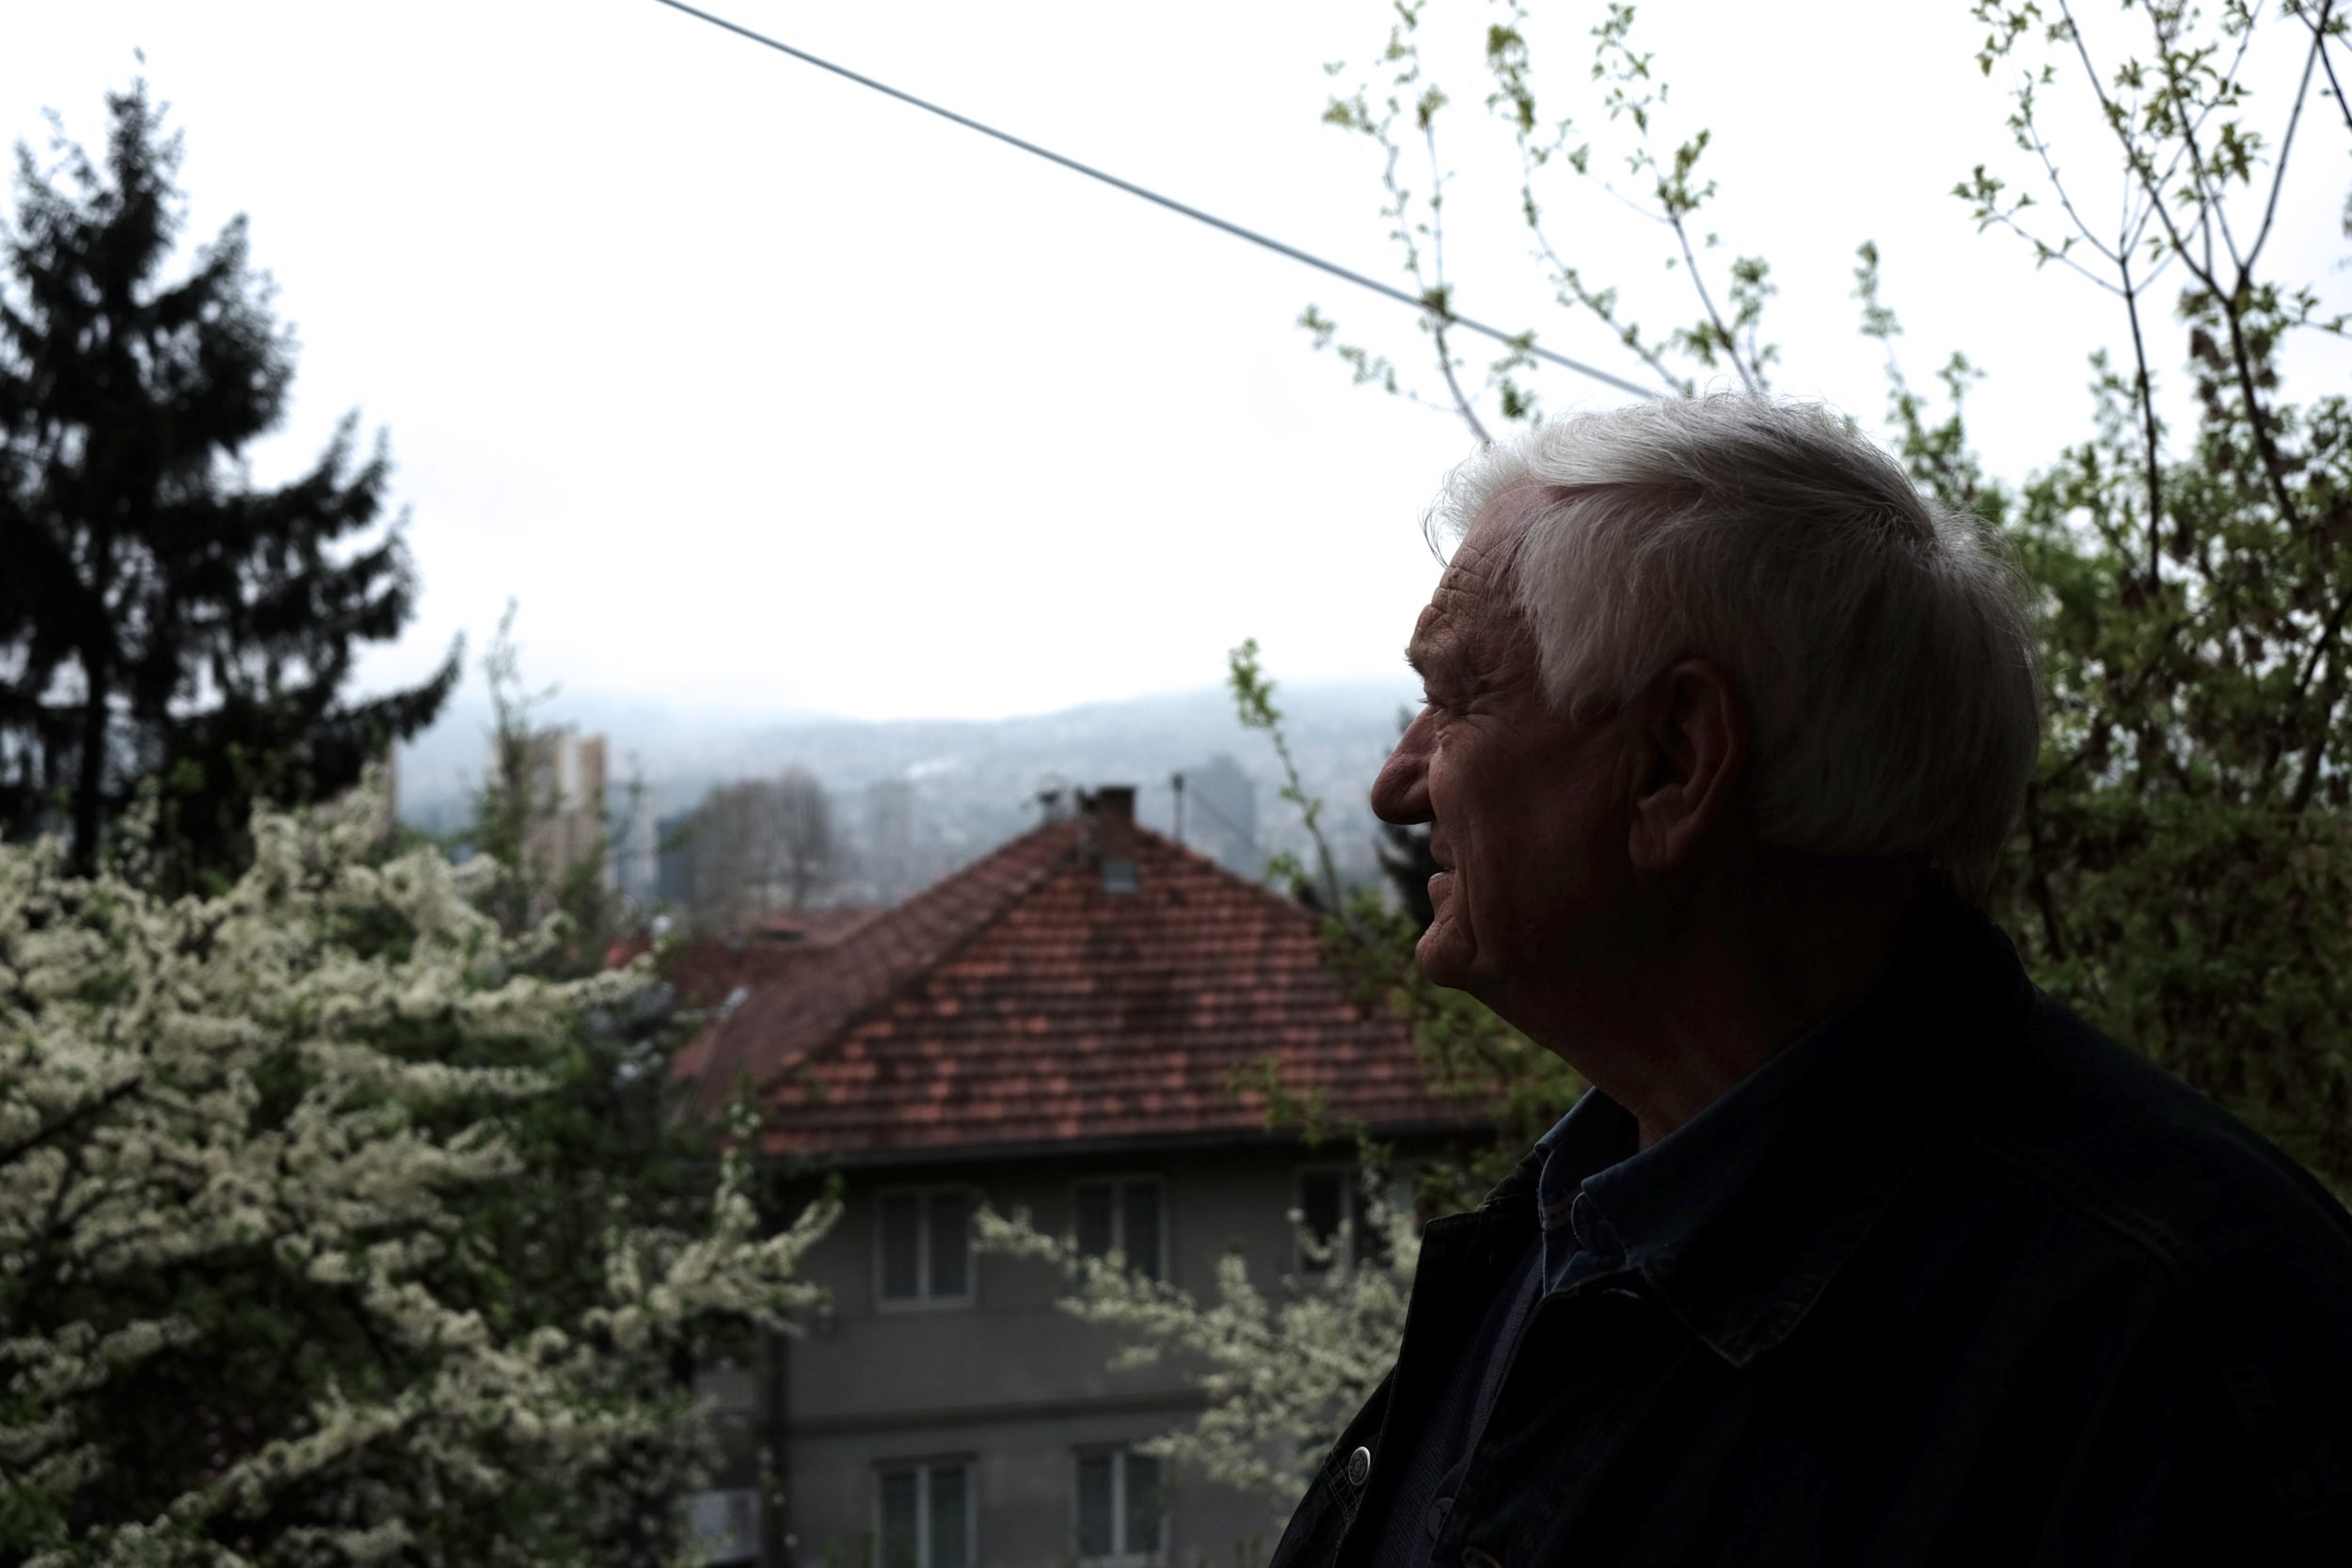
(2000, 1293)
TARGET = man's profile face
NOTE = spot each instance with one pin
(1522, 805)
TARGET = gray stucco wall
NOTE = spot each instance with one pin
(1009, 1381)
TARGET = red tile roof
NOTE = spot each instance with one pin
(1020, 1003)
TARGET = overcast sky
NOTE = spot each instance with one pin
(763, 392)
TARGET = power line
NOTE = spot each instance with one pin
(1266, 240)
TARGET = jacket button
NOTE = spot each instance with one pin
(1358, 1466)
(1473, 1558)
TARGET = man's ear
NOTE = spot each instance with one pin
(1695, 733)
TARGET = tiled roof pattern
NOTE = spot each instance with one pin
(1020, 1002)
(779, 1025)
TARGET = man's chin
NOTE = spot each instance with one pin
(1443, 954)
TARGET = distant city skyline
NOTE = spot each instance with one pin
(914, 800)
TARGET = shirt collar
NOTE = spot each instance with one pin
(1595, 1132)
(1659, 1199)
(1595, 1135)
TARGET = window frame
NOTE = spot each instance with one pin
(1127, 1556)
(1118, 1182)
(1351, 1212)
(922, 1469)
(925, 1299)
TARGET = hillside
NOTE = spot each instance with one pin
(974, 783)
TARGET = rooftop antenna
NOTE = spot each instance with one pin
(1176, 782)
(1050, 791)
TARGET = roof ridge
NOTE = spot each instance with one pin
(1273, 896)
(919, 916)
(962, 935)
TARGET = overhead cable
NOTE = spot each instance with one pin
(1267, 241)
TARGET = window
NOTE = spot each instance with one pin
(1122, 1511)
(1330, 1197)
(924, 1245)
(1122, 1216)
(924, 1515)
(725, 1526)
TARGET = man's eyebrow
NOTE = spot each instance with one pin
(1429, 663)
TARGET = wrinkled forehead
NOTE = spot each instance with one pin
(1477, 575)
(1474, 616)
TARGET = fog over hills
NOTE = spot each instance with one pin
(975, 783)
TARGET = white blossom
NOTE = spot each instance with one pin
(1282, 1373)
(233, 1130)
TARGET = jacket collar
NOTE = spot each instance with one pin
(1739, 1220)
(1890, 1079)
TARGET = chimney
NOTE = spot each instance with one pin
(1111, 814)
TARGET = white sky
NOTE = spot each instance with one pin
(764, 392)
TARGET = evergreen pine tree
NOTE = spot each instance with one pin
(161, 618)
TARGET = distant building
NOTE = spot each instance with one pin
(1056, 1026)
(637, 847)
(1219, 803)
(673, 859)
(564, 779)
(887, 839)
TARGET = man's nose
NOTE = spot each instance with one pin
(1401, 793)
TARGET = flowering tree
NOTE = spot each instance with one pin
(1282, 1373)
(271, 1291)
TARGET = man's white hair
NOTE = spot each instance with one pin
(1880, 641)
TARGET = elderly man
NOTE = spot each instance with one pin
(1860, 1250)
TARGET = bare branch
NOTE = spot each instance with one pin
(2031, 134)
(2286, 143)
(1461, 404)
(2120, 124)
(2319, 34)
(2226, 300)
(1731, 347)
(2213, 213)
(2045, 251)
(1438, 315)
(2306, 777)
(1570, 281)
(2145, 392)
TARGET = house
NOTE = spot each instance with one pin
(1058, 1026)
